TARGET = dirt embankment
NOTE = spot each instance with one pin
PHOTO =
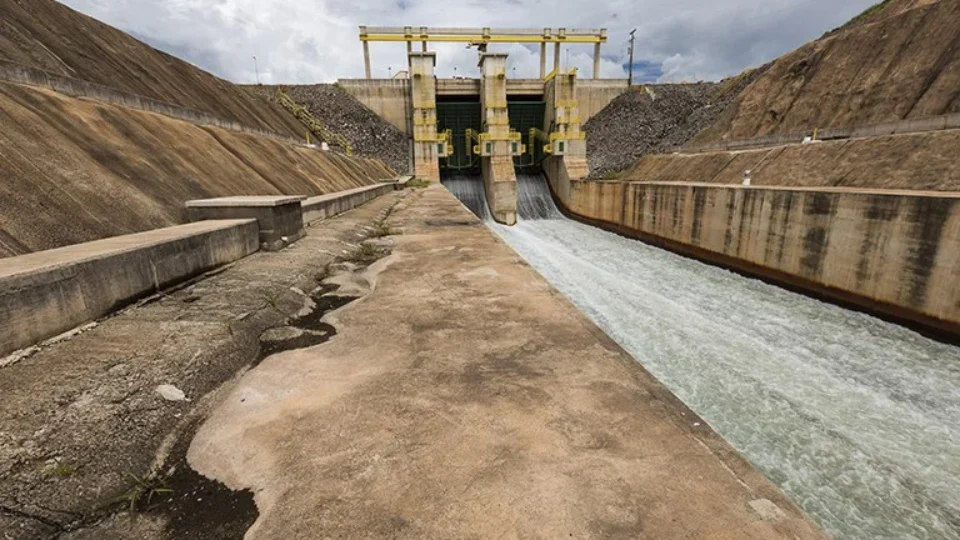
(344, 115)
(50, 36)
(899, 60)
(78, 170)
(655, 119)
(924, 161)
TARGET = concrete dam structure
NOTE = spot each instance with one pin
(480, 307)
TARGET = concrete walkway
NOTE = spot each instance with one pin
(465, 398)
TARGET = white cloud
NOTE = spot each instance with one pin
(317, 40)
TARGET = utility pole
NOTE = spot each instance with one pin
(256, 70)
(632, 38)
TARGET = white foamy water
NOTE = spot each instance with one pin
(858, 420)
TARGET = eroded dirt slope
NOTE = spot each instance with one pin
(77, 170)
(900, 60)
(47, 35)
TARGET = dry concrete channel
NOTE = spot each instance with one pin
(465, 379)
(443, 390)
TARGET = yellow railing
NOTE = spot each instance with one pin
(315, 126)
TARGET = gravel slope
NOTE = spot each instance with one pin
(655, 119)
(341, 113)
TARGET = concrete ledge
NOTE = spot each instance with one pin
(894, 253)
(49, 292)
(401, 182)
(331, 204)
(280, 218)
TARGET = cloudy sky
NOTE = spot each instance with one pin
(306, 41)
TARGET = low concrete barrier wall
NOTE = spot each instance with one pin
(49, 292)
(331, 204)
(893, 252)
(16, 73)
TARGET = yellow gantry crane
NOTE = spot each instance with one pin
(481, 37)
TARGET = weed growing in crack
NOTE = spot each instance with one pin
(381, 228)
(363, 255)
(417, 183)
(63, 470)
(143, 490)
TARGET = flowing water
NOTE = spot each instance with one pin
(857, 419)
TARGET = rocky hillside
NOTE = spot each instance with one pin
(341, 113)
(655, 119)
(47, 35)
(900, 59)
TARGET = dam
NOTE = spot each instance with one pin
(488, 284)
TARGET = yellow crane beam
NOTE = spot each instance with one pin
(481, 37)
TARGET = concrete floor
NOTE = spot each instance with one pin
(464, 397)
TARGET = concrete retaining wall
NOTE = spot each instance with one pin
(593, 95)
(47, 293)
(15, 73)
(892, 252)
(332, 204)
(389, 98)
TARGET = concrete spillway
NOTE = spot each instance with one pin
(853, 417)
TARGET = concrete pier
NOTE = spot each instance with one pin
(423, 95)
(496, 147)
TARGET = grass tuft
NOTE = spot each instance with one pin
(143, 491)
(382, 228)
(363, 255)
(417, 183)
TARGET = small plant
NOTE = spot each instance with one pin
(144, 489)
(382, 228)
(417, 183)
(63, 470)
(270, 300)
(610, 175)
(363, 255)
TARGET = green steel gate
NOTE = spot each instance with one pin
(458, 117)
(523, 116)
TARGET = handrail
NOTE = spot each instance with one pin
(315, 126)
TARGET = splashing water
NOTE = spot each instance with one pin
(857, 419)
